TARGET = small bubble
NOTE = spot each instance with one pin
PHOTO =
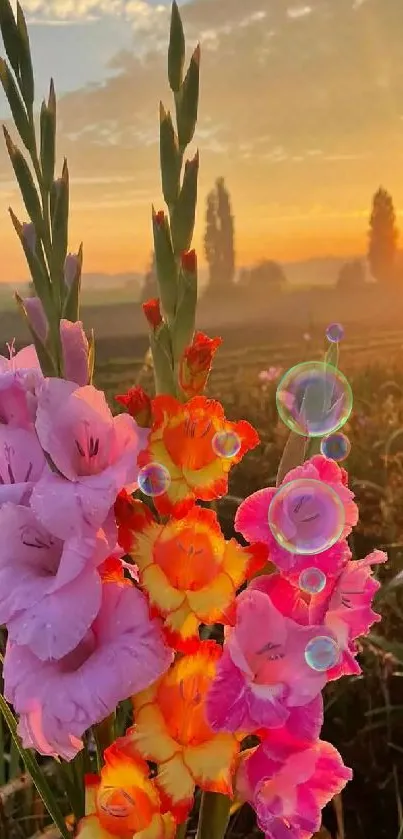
(322, 653)
(306, 516)
(154, 479)
(314, 399)
(335, 333)
(226, 444)
(312, 580)
(336, 447)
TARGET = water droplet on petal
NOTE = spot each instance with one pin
(312, 580)
(226, 444)
(322, 653)
(154, 479)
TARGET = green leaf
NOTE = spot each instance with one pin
(71, 307)
(16, 104)
(60, 228)
(26, 70)
(46, 360)
(9, 31)
(293, 455)
(176, 49)
(40, 277)
(91, 357)
(48, 139)
(187, 101)
(214, 816)
(160, 343)
(170, 157)
(35, 772)
(183, 326)
(184, 211)
(167, 272)
(393, 647)
(26, 183)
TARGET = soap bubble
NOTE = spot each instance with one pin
(336, 447)
(322, 653)
(314, 399)
(312, 580)
(306, 516)
(154, 479)
(226, 444)
(335, 333)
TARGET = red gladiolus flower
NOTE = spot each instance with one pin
(137, 404)
(152, 311)
(196, 363)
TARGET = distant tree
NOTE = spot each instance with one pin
(150, 286)
(268, 276)
(351, 275)
(383, 236)
(219, 238)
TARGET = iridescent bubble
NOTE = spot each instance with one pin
(226, 444)
(314, 399)
(306, 516)
(335, 333)
(336, 447)
(312, 580)
(322, 653)
(154, 479)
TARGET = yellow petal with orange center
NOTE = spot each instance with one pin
(176, 780)
(158, 454)
(235, 562)
(126, 799)
(211, 763)
(151, 736)
(144, 697)
(183, 622)
(143, 543)
(91, 828)
(210, 602)
(160, 592)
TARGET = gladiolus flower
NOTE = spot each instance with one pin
(122, 653)
(20, 375)
(96, 453)
(137, 404)
(189, 571)
(181, 439)
(152, 311)
(131, 515)
(75, 351)
(196, 363)
(171, 730)
(288, 782)
(42, 579)
(263, 678)
(124, 801)
(251, 519)
(22, 463)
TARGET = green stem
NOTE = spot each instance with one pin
(181, 831)
(104, 735)
(214, 816)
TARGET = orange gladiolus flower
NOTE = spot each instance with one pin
(171, 730)
(182, 439)
(190, 572)
(196, 363)
(123, 801)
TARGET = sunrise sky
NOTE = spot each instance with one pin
(301, 111)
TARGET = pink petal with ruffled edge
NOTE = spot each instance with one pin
(122, 654)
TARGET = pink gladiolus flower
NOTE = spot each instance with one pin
(22, 463)
(288, 782)
(50, 591)
(94, 451)
(122, 654)
(270, 375)
(75, 352)
(251, 519)
(263, 678)
(19, 376)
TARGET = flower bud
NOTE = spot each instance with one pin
(28, 234)
(36, 316)
(137, 404)
(152, 311)
(196, 364)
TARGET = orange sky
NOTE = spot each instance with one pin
(299, 112)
